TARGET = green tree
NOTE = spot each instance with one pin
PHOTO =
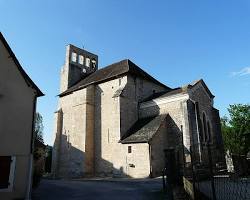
(236, 129)
(38, 127)
(39, 151)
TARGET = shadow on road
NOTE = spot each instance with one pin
(106, 189)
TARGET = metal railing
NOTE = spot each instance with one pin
(211, 181)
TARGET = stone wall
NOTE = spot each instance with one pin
(136, 163)
(134, 92)
(168, 136)
(174, 107)
(107, 125)
(64, 73)
(172, 134)
(199, 94)
(109, 116)
(205, 106)
(73, 71)
(75, 152)
(114, 115)
(158, 144)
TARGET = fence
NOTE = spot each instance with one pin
(211, 180)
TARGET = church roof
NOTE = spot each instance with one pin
(111, 72)
(201, 81)
(164, 94)
(19, 67)
(143, 130)
(179, 90)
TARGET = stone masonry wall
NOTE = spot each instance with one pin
(199, 94)
(107, 126)
(168, 136)
(135, 91)
(175, 109)
(136, 164)
(158, 144)
(94, 120)
(89, 130)
(64, 74)
(76, 112)
(114, 115)
(178, 115)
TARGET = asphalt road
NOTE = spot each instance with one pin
(103, 189)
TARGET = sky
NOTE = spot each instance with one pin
(176, 41)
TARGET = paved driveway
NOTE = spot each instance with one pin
(103, 189)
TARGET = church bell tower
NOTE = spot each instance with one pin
(79, 63)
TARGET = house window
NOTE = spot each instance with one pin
(73, 57)
(7, 169)
(87, 62)
(129, 149)
(80, 59)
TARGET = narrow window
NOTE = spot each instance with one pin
(93, 62)
(73, 57)
(129, 149)
(87, 62)
(80, 59)
(197, 111)
(204, 122)
(208, 132)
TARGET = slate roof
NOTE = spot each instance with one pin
(28, 80)
(178, 90)
(111, 72)
(204, 85)
(143, 130)
(164, 94)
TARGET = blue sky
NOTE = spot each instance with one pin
(175, 41)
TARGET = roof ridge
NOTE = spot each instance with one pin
(110, 72)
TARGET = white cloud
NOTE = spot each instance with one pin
(243, 72)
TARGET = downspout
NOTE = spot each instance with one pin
(29, 187)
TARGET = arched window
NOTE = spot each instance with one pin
(208, 132)
(93, 63)
(73, 57)
(199, 121)
(88, 62)
(204, 122)
(80, 59)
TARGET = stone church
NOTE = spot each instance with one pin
(118, 120)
